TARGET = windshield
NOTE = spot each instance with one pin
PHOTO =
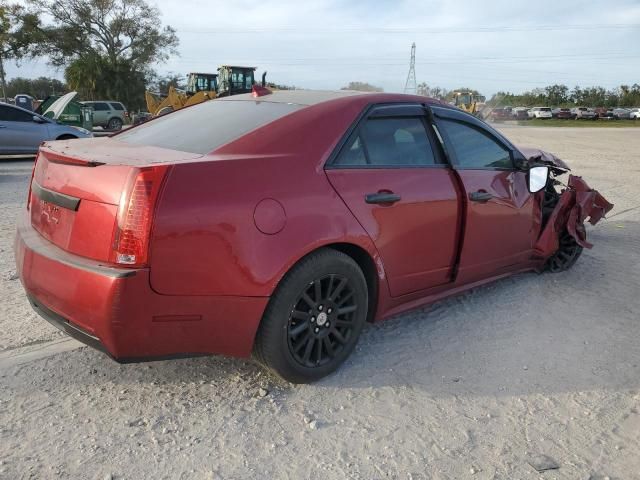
(205, 127)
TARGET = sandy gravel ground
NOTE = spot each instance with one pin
(479, 386)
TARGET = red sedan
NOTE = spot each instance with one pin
(280, 223)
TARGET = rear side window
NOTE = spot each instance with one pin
(389, 142)
(117, 106)
(100, 107)
(474, 148)
(205, 127)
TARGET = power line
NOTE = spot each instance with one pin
(405, 30)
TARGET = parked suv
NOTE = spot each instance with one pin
(584, 113)
(540, 112)
(108, 115)
(635, 113)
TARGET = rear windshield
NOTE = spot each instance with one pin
(545, 109)
(205, 127)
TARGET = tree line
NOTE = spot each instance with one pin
(107, 48)
(563, 96)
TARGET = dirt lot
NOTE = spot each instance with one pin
(476, 386)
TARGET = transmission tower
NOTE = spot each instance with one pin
(410, 84)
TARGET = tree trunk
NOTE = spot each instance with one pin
(3, 84)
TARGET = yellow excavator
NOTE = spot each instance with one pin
(468, 101)
(230, 80)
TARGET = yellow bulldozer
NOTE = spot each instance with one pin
(230, 80)
(468, 101)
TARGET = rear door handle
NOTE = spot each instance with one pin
(480, 196)
(382, 197)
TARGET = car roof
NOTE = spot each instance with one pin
(101, 101)
(315, 97)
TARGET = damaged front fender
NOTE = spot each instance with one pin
(577, 203)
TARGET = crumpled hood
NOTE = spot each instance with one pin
(578, 202)
(535, 156)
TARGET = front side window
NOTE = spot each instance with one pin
(473, 148)
(389, 142)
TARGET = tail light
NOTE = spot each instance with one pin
(135, 216)
(33, 173)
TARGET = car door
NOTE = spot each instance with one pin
(499, 224)
(101, 111)
(392, 176)
(19, 133)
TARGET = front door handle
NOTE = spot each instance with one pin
(480, 196)
(382, 197)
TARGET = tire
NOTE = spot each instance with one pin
(314, 319)
(568, 249)
(566, 256)
(114, 124)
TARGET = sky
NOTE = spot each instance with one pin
(497, 45)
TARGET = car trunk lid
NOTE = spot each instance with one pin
(83, 190)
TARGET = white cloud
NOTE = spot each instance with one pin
(327, 43)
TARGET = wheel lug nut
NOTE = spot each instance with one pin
(313, 319)
(320, 307)
(329, 310)
(328, 324)
(317, 330)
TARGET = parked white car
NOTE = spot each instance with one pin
(635, 114)
(540, 112)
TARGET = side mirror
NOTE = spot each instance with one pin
(37, 119)
(538, 177)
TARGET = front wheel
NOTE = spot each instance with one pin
(314, 319)
(566, 256)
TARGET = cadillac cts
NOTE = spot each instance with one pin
(279, 223)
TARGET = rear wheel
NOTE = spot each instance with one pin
(314, 319)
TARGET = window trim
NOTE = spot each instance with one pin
(476, 125)
(394, 111)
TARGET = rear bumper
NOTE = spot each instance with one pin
(116, 311)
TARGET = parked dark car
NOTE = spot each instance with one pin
(520, 113)
(22, 131)
(500, 114)
(563, 114)
(281, 223)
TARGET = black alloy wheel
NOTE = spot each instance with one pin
(314, 318)
(322, 320)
